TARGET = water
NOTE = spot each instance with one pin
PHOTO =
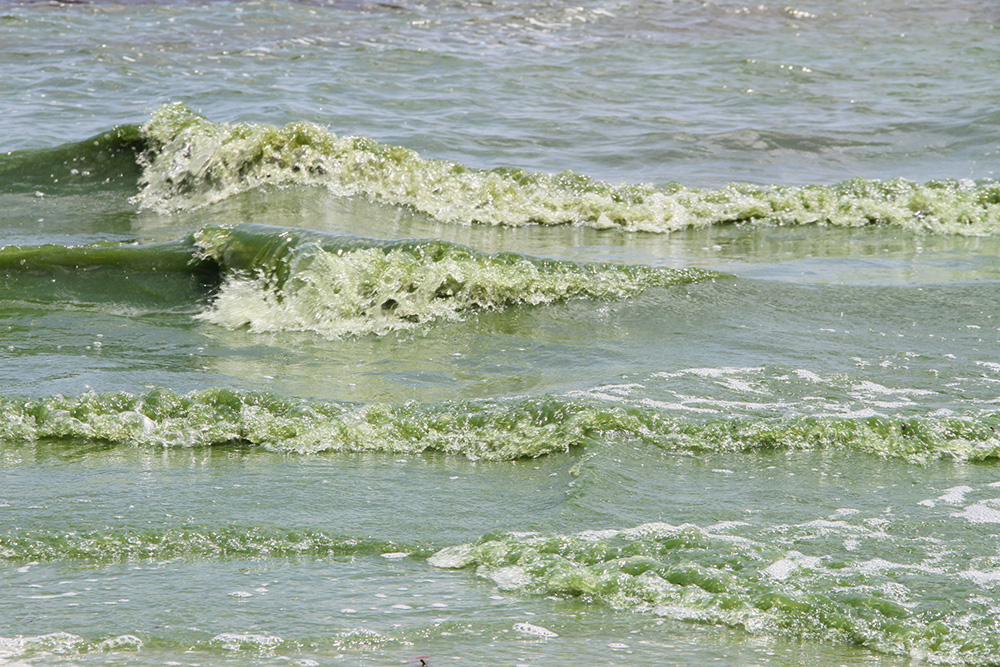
(499, 332)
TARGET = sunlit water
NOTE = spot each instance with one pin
(499, 333)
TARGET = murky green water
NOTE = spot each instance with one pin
(498, 333)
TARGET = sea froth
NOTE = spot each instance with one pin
(762, 584)
(191, 162)
(274, 279)
(499, 429)
(283, 280)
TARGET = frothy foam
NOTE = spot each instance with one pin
(192, 162)
(502, 429)
(190, 543)
(62, 643)
(282, 280)
(758, 584)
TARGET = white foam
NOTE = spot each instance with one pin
(663, 405)
(863, 413)
(655, 529)
(234, 641)
(824, 524)
(881, 565)
(120, 642)
(534, 630)
(618, 389)
(722, 372)
(61, 642)
(50, 596)
(891, 404)
(869, 387)
(452, 557)
(740, 385)
(780, 569)
(783, 568)
(979, 513)
(878, 565)
(597, 535)
(509, 578)
(980, 578)
(955, 495)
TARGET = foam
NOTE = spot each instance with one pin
(288, 280)
(499, 429)
(192, 162)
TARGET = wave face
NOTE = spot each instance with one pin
(272, 279)
(496, 430)
(476, 430)
(105, 161)
(286, 280)
(173, 257)
(192, 162)
(761, 584)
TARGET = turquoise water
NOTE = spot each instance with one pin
(499, 333)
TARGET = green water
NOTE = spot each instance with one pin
(499, 333)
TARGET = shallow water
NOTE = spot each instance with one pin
(499, 332)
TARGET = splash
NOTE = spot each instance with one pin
(286, 280)
(271, 279)
(493, 430)
(489, 430)
(192, 162)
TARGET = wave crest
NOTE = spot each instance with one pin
(283, 280)
(191, 162)
(497, 430)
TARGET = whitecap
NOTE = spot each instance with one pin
(534, 630)
(955, 495)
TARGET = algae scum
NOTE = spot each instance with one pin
(685, 351)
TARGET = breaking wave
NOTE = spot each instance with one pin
(190, 162)
(497, 430)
